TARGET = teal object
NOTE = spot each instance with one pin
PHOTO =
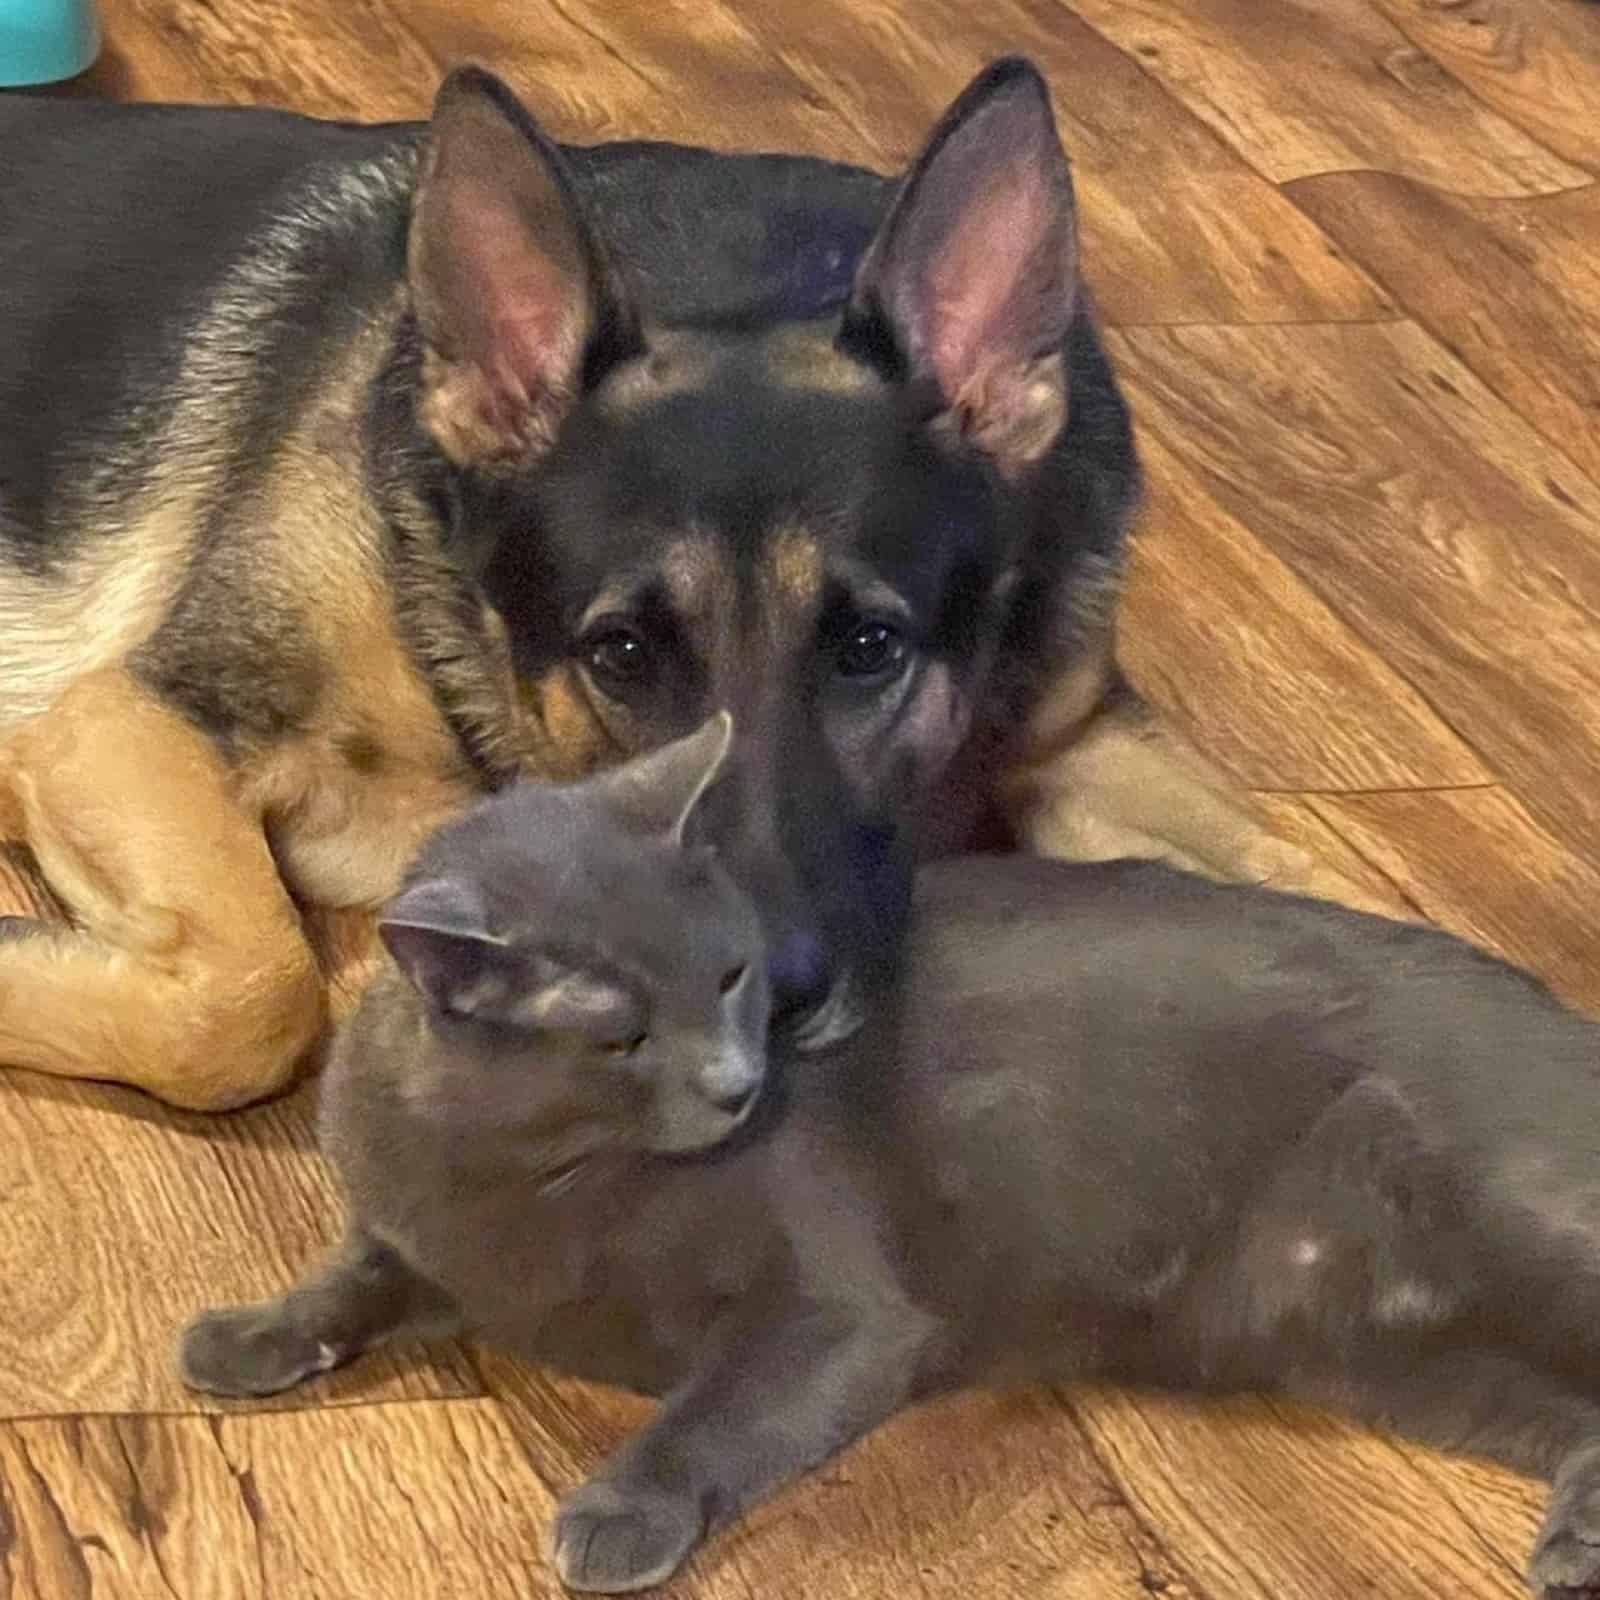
(43, 41)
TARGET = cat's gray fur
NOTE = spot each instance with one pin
(1111, 1120)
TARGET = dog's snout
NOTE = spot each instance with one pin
(801, 974)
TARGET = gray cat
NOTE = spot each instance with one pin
(1108, 1120)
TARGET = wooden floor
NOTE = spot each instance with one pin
(1351, 253)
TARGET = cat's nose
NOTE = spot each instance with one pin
(729, 1081)
(801, 975)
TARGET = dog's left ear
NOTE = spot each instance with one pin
(516, 297)
(972, 279)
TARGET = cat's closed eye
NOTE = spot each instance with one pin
(626, 1047)
(732, 978)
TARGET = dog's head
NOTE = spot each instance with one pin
(816, 525)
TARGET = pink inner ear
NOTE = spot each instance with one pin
(521, 309)
(985, 278)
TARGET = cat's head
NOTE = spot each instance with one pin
(595, 979)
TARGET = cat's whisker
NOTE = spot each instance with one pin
(564, 1177)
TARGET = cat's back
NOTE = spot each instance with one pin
(1017, 955)
(1031, 927)
(1029, 923)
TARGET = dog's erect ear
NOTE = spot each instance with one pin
(655, 795)
(515, 296)
(438, 934)
(972, 279)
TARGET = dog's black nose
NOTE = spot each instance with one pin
(801, 975)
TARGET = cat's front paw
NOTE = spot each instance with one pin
(1566, 1558)
(249, 1350)
(613, 1539)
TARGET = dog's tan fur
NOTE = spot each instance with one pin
(188, 973)
(185, 855)
(190, 976)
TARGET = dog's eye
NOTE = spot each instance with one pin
(871, 650)
(618, 659)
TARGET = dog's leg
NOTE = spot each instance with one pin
(365, 1295)
(187, 973)
(1118, 781)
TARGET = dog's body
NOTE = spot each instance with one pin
(342, 476)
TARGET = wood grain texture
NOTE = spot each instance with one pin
(358, 59)
(1304, 86)
(1503, 1510)
(681, 69)
(1435, 522)
(120, 1221)
(412, 1502)
(1373, 889)
(1477, 863)
(1244, 1489)
(1537, 62)
(1257, 668)
(1221, 246)
(996, 1496)
(1367, 584)
(1510, 286)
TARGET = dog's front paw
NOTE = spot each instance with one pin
(250, 1350)
(1566, 1558)
(613, 1539)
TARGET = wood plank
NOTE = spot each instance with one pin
(1176, 227)
(1021, 1509)
(1421, 510)
(356, 60)
(404, 1502)
(1478, 864)
(1304, 86)
(1372, 889)
(1511, 286)
(121, 1220)
(1537, 62)
(1258, 670)
(681, 69)
(1267, 1500)
(1503, 1510)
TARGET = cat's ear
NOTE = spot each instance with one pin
(655, 795)
(440, 938)
(438, 934)
(517, 300)
(971, 284)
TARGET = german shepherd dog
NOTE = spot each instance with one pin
(346, 472)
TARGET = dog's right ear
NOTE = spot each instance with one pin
(517, 301)
(969, 289)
